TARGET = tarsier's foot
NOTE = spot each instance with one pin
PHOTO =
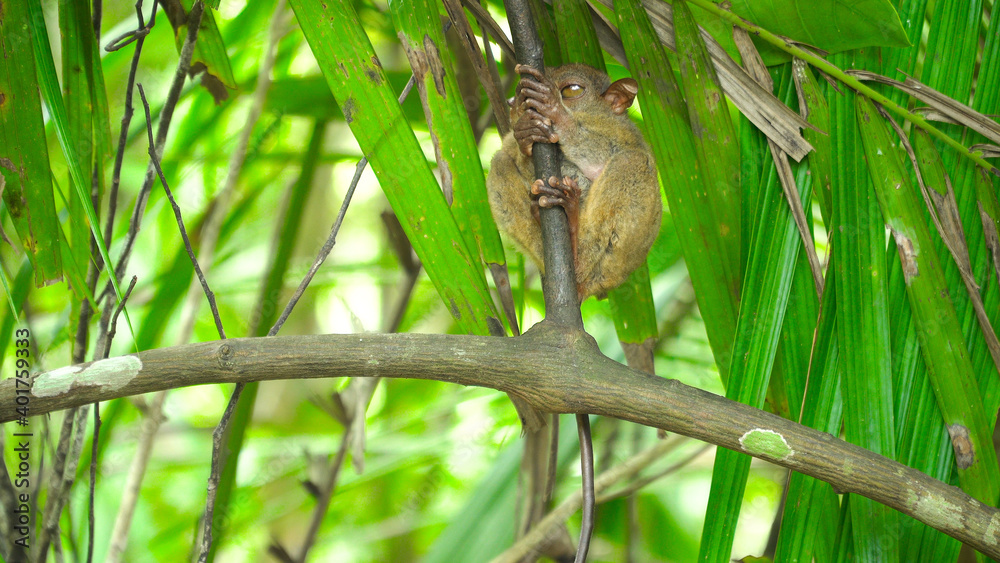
(563, 193)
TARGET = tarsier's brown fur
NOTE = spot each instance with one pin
(609, 189)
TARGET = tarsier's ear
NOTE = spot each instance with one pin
(621, 94)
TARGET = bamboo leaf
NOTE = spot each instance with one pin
(57, 110)
(809, 521)
(780, 123)
(813, 107)
(766, 289)
(26, 182)
(899, 62)
(633, 310)
(454, 144)
(714, 136)
(357, 81)
(954, 43)
(16, 291)
(863, 323)
(86, 112)
(210, 57)
(845, 77)
(303, 96)
(989, 212)
(939, 198)
(938, 328)
(461, 171)
(922, 441)
(581, 44)
(668, 132)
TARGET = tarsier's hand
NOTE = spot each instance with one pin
(537, 101)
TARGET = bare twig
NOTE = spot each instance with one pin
(218, 441)
(326, 494)
(154, 415)
(58, 496)
(137, 469)
(640, 484)
(210, 237)
(166, 116)
(139, 35)
(63, 474)
(331, 241)
(209, 294)
(133, 481)
(94, 441)
(411, 269)
(216, 212)
(489, 26)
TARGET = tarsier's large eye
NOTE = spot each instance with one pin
(572, 91)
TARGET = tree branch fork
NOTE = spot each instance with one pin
(556, 369)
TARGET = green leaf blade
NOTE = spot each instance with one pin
(454, 143)
(766, 289)
(355, 76)
(579, 43)
(938, 328)
(24, 159)
(668, 132)
(863, 322)
(715, 139)
(811, 515)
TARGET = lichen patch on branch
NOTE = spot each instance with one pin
(766, 443)
(110, 374)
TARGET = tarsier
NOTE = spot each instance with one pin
(609, 188)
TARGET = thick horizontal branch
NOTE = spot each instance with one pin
(555, 370)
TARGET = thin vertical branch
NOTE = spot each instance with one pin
(166, 117)
(331, 239)
(562, 303)
(94, 441)
(559, 284)
(137, 469)
(139, 36)
(213, 222)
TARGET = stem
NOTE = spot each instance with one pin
(855, 84)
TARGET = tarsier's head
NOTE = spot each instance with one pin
(581, 85)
